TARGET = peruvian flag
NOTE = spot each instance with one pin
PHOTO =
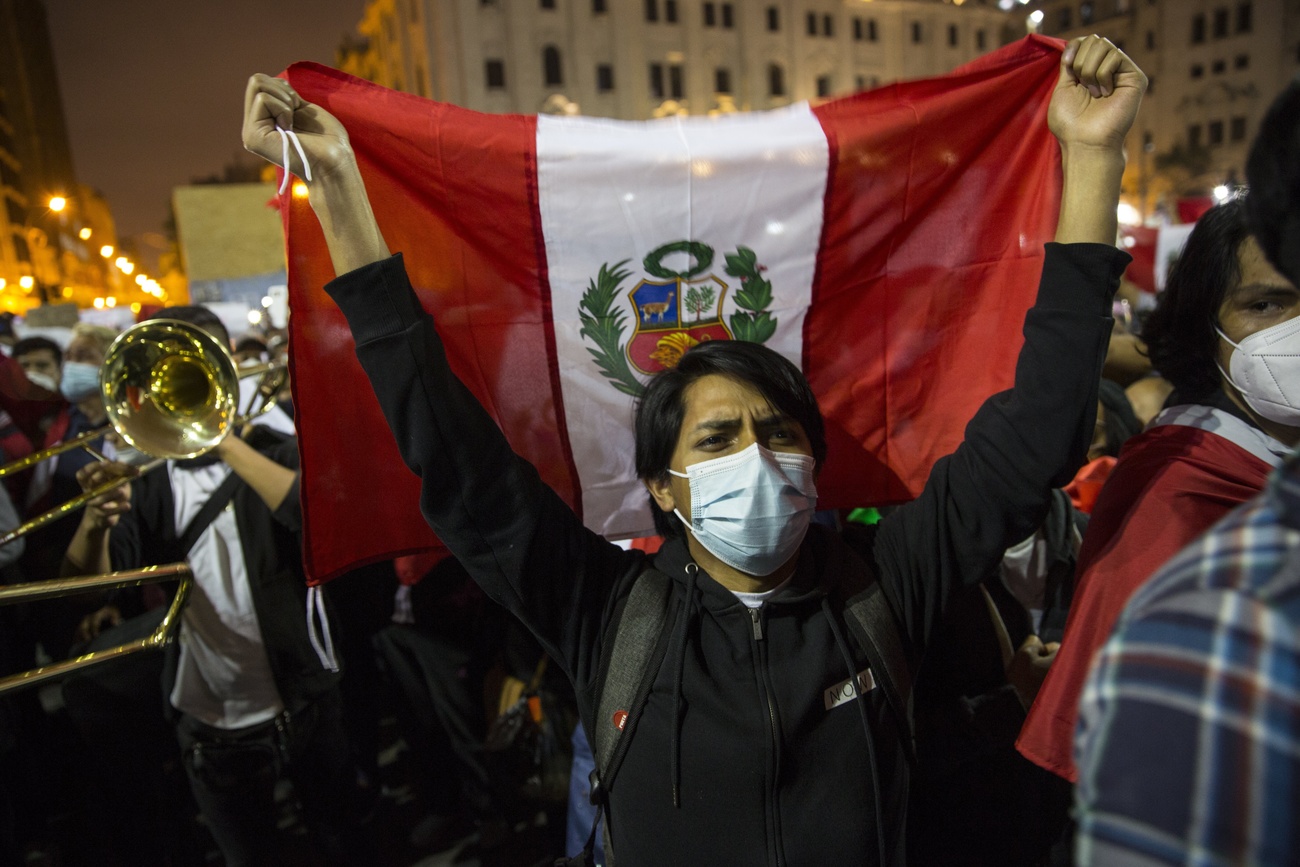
(889, 243)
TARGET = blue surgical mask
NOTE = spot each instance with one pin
(80, 381)
(751, 510)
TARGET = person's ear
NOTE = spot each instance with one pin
(661, 490)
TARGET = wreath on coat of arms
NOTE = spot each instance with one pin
(663, 308)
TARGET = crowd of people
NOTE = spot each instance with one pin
(1018, 667)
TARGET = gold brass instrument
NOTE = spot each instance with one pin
(35, 458)
(171, 390)
(67, 586)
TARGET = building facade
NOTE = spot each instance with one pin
(46, 253)
(1215, 65)
(634, 59)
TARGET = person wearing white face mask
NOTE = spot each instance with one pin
(762, 739)
(41, 360)
(1226, 334)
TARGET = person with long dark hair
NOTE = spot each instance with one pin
(1212, 448)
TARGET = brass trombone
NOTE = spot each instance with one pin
(68, 586)
(171, 390)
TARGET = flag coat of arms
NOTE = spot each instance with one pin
(888, 243)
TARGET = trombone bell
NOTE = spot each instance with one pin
(170, 388)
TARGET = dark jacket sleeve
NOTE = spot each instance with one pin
(514, 535)
(284, 451)
(134, 542)
(994, 490)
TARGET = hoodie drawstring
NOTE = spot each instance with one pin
(688, 611)
(318, 629)
(286, 136)
(860, 699)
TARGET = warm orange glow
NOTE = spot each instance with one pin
(26, 282)
(58, 203)
(67, 291)
(125, 265)
(140, 279)
(106, 251)
(135, 308)
(84, 234)
(110, 301)
(99, 303)
(299, 190)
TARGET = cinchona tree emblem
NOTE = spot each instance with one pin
(671, 311)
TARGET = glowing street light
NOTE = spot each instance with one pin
(84, 234)
(141, 279)
(1221, 193)
(26, 281)
(58, 203)
(107, 251)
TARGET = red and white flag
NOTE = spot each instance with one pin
(889, 243)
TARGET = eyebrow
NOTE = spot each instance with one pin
(717, 424)
(1255, 288)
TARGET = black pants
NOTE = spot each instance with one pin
(233, 775)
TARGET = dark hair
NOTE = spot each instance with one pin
(249, 342)
(200, 316)
(662, 409)
(1273, 171)
(36, 344)
(1180, 333)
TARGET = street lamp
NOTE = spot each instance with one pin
(55, 204)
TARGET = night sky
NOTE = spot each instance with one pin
(153, 89)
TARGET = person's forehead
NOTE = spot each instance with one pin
(83, 346)
(39, 354)
(715, 398)
(1256, 272)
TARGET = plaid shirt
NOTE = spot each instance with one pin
(1188, 744)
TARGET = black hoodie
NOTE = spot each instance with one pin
(737, 759)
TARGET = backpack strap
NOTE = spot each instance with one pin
(639, 643)
(207, 514)
(872, 621)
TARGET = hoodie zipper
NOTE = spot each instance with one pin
(760, 657)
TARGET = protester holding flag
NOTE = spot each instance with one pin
(1225, 428)
(1188, 735)
(746, 749)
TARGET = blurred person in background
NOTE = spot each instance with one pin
(1189, 739)
(41, 359)
(253, 684)
(1210, 451)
